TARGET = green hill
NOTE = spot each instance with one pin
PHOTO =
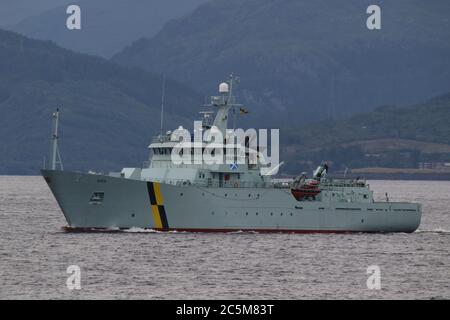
(108, 112)
(387, 137)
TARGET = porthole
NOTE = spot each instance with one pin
(246, 213)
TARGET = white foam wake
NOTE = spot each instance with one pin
(436, 230)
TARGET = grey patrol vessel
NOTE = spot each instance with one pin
(219, 198)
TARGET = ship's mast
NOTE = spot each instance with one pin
(162, 104)
(55, 155)
(224, 102)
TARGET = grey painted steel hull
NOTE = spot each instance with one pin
(131, 203)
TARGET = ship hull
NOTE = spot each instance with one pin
(128, 203)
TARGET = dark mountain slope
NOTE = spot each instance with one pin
(303, 60)
(107, 26)
(109, 113)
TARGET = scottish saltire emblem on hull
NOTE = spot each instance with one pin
(156, 202)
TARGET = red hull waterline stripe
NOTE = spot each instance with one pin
(204, 230)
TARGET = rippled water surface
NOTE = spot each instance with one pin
(35, 253)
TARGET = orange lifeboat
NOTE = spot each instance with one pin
(307, 190)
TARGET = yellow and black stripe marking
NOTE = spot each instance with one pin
(156, 201)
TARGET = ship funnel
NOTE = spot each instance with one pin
(223, 88)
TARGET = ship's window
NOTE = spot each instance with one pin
(271, 213)
(181, 194)
(246, 213)
(365, 196)
(249, 195)
(97, 198)
(281, 214)
(257, 213)
(226, 195)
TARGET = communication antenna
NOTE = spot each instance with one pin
(55, 155)
(163, 94)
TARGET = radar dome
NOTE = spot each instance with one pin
(223, 87)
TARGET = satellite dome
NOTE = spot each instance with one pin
(223, 87)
